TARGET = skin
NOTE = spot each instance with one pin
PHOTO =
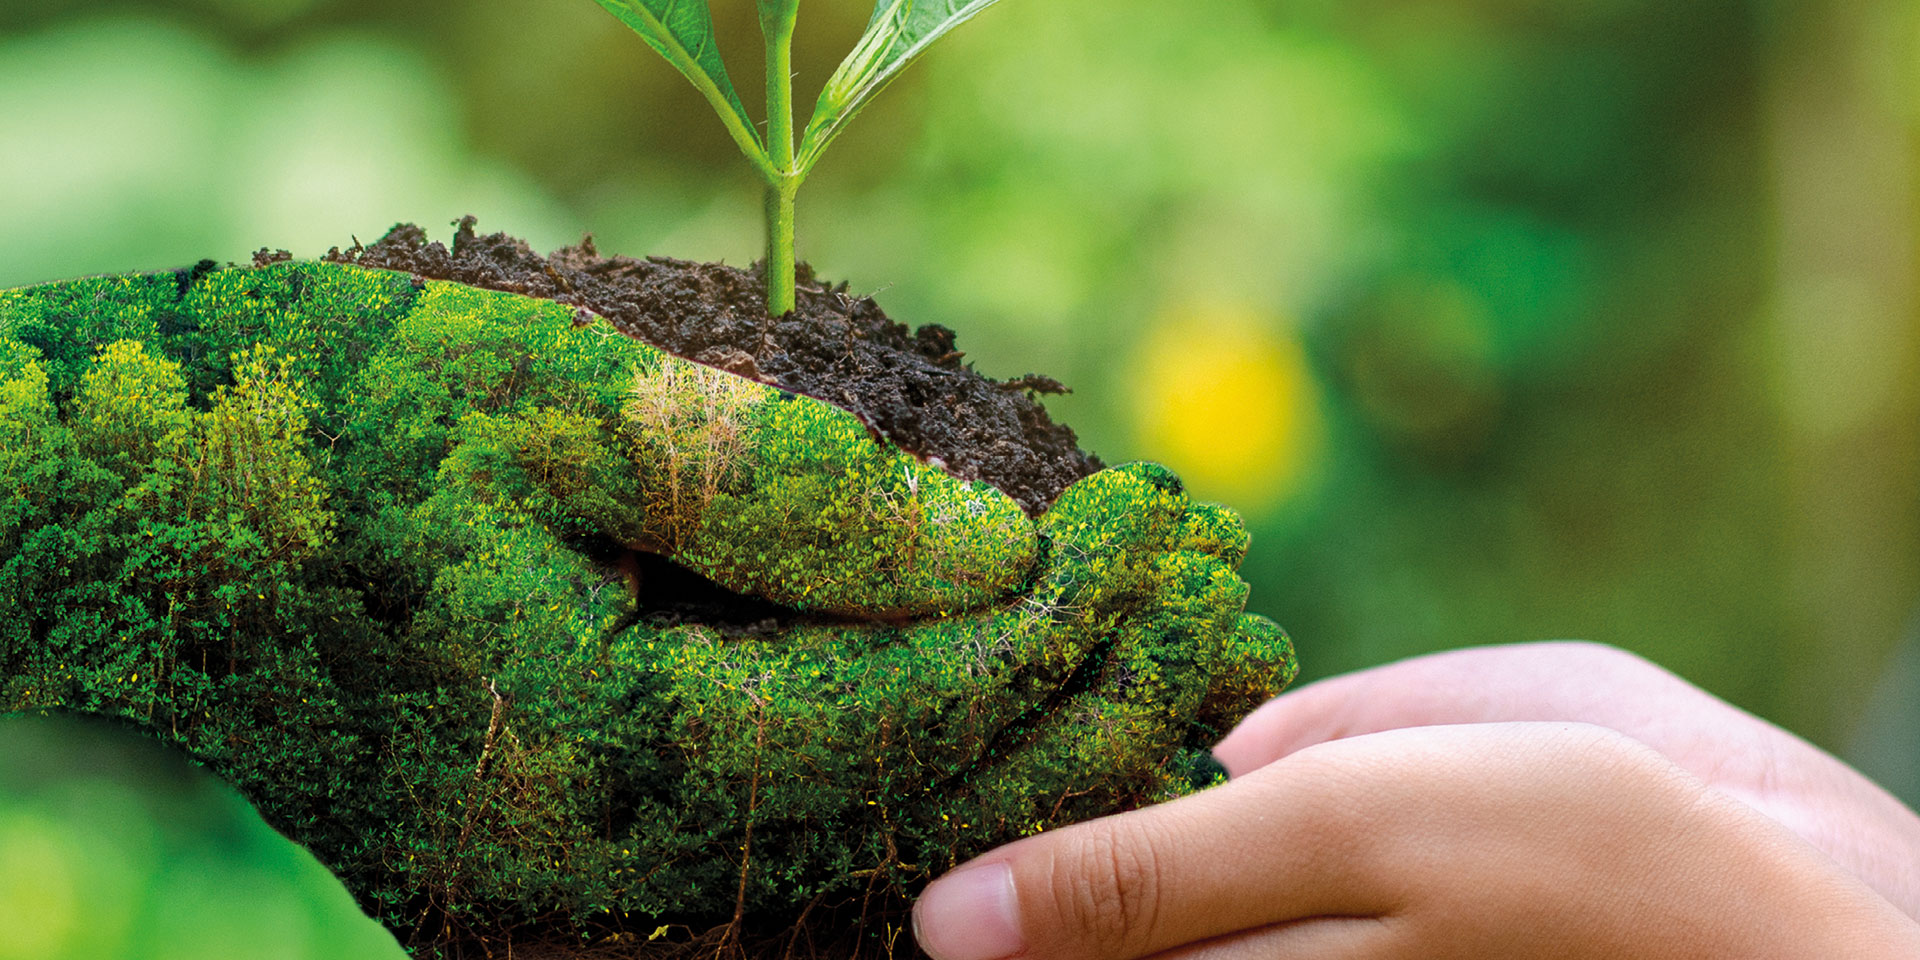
(1547, 800)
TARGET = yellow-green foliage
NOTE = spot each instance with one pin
(791, 499)
(381, 598)
(131, 407)
(33, 444)
(245, 460)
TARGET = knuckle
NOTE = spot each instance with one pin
(1612, 751)
(1109, 884)
(1348, 810)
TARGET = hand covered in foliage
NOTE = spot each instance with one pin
(1553, 800)
(364, 546)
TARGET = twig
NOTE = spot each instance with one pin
(793, 936)
(746, 842)
(493, 730)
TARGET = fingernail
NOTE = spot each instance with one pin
(970, 914)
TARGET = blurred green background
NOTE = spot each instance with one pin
(112, 849)
(1500, 319)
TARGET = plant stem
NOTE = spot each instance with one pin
(780, 245)
(776, 25)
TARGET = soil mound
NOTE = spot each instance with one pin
(911, 387)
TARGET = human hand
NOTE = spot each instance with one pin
(1861, 826)
(1502, 840)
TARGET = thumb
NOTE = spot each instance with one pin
(1245, 855)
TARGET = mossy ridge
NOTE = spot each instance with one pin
(761, 491)
(413, 625)
(792, 499)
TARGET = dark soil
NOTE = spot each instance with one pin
(911, 388)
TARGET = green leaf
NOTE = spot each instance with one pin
(682, 32)
(899, 31)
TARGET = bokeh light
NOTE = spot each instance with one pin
(135, 143)
(1230, 404)
(111, 846)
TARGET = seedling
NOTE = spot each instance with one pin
(682, 31)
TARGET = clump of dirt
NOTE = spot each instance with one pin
(911, 388)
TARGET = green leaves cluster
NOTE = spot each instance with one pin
(682, 31)
(898, 32)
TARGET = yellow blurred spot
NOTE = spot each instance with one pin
(39, 899)
(1224, 396)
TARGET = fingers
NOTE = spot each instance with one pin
(1319, 938)
(1207, 865)
(1513, 840)
(1741, 756)
(1569, 681)
(789, 498)
(1361, 828)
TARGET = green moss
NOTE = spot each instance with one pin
(458, 351)
(380, 598)
(328, 315)
(34, 445)
(66, 322)
(131, 408)
(791, 499)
